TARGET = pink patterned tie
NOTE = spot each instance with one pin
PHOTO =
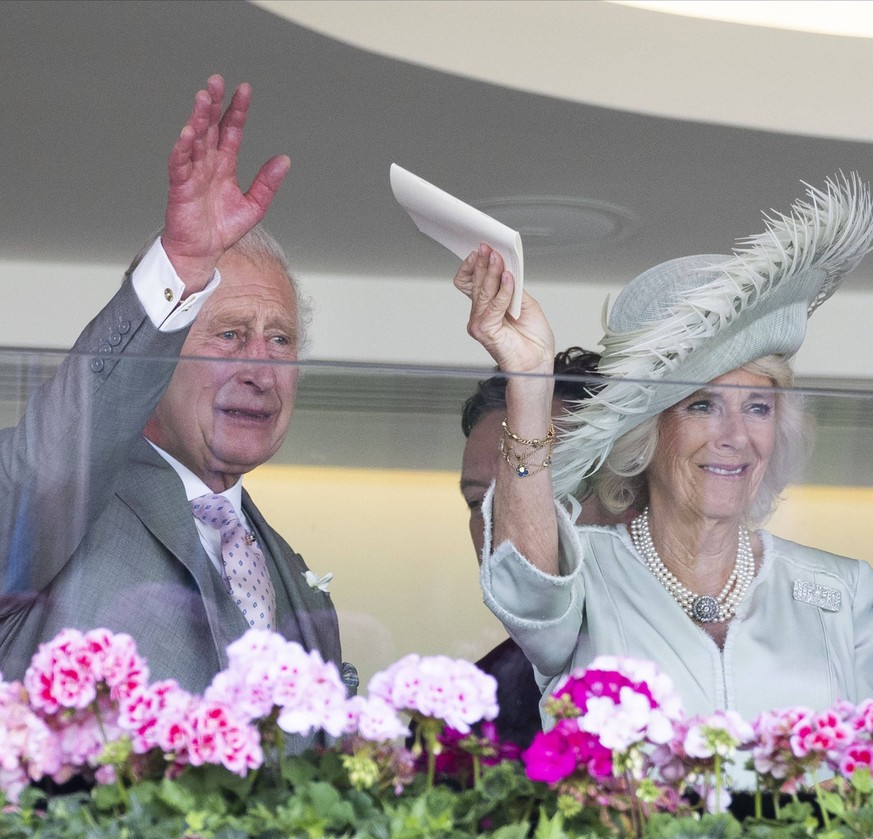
(245, 569)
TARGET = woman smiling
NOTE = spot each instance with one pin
(698, 428)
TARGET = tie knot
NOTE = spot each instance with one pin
(215, 511)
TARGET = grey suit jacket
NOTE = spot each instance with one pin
(95, 528)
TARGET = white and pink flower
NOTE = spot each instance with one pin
(66, 671)
(452, 690)
(374, 719)
(31, 749)
(218, 736)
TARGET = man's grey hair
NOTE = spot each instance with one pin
(257, 244)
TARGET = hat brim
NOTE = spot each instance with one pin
(690, 320)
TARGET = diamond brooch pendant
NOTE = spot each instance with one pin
(705, 608)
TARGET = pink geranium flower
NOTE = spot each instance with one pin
(67, 671)
(30, 748)
(454, 691)
(61, 674)
(218, 736)
(772, 756)
(374, 719)
(156, 717)
(822, 736)
(265, 672)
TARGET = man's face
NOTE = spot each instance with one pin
(223, 418)
(479, 467)
(478, 470)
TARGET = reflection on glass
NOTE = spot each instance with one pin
(366, 487)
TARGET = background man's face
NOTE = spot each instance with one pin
(223, 418)
(478, 469)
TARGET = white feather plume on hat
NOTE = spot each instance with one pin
(693, 319)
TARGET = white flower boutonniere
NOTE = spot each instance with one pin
(321, 583)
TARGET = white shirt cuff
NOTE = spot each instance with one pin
(159, 289)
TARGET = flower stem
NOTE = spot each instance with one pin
(824, 813)
(718, 779)
(636, 805)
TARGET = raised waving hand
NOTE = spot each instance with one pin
(207, 211)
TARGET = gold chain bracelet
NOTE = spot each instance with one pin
(519, 460)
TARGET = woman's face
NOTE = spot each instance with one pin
(714, 447)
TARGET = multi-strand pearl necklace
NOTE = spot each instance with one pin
(699, 607)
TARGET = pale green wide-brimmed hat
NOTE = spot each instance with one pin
(693, 319)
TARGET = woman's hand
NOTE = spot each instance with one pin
(523, 509)
(525, 345)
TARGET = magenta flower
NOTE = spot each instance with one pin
(856, 755)
(608, 711)
(116, 662)
(823, 735)
(556, 754)
(458, 751)
(61, 674)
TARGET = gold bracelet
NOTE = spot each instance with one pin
(534, 444)
(519, 461)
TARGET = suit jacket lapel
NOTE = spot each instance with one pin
(302, 613)
(155, 493)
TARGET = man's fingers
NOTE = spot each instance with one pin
(200, 123)
(215, 88)
(268, 180)
(230, 128)
(492, 308)
(179, 160)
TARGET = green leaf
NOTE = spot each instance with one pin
(550, 828)
(862, 780)
(108, 797)
(832, 802)
(176, 795)
(512, 831)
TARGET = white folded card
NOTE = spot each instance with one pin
(458, 226)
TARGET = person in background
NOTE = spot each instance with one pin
(518, 694)
(123, 504)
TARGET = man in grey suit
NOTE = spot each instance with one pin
(96, 523)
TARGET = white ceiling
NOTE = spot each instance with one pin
(693, 126)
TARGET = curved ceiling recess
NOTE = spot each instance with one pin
(622, 56)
